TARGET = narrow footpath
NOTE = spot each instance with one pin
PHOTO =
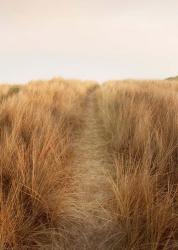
(91, 162)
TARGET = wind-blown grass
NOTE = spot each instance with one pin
(37, 130)
(47, 144)
(140, 124)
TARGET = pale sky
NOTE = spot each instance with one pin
(93, 39)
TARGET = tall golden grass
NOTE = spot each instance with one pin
(126, 135)
(140, 124)
(37, 133)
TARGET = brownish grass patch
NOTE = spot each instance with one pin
(140, 124)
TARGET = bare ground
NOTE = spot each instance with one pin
(90, 167)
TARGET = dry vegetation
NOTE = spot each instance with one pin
(88, 166)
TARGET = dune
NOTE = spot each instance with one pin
(89, 166)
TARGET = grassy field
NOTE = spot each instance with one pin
(85, 166)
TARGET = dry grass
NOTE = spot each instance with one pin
(50, 131)
(7, 91)
(38, 127)
(140, 124)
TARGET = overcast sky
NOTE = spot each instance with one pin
(88, 39)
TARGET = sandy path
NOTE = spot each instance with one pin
(90, 167)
